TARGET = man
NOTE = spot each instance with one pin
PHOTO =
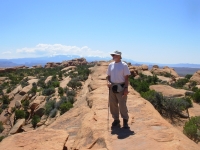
(117, 81)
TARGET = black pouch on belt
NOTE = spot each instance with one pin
(116, 88)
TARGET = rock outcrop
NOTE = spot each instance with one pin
(196, 77)
(87, 124)
(166, 70)
(44, 139)
(168, 91)
(17, 126)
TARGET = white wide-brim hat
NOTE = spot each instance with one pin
(116, 53)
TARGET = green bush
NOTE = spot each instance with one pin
(5, 99)
(19, 114)
(195, 89)
(180, 83)
(35, 120)
(53, 113)
(70, 99)
(48, 92)
(196, 96)
(1, 110)
(49, 106)
(170, 108)
(74, 84)
(8, 90)
(71, 93)
(65, 107)
(1, 138)
(4, 106)
(188, 76)
(192, 128)
(61, 91)
(25, 104)
(24, 82)
(33, 89)
(1, 127)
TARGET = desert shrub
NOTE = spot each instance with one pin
(41, 82)
(4, 106)
(166, 74)
(48, 91)
(25, 104)
(70, 99)
(60, 75)
(74, 84)
(35, 120)
(61, 91)
(33, 89)
(192, 128)
(1, 138)
(63, 99)
(53, 113)
(65, 107)
(53, 84)
(71, 93)
(1, 90)
(189, 101)
(196, 96)
(169, 108)
(188, 76)
(1, 127)
(193, 83)
(24, 82)
(180, 83)
(5, 99)
(19, 114)
(195, 89)
(8, 90)
(49, 106)
(139, 86)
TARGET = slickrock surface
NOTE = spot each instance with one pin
(196, 77)
(168, 91)
(88, 125)
(46, 139)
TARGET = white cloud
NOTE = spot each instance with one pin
(6, 52)
(59, 49)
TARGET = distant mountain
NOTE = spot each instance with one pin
(59, 58)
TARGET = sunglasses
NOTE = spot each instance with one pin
(114, 55)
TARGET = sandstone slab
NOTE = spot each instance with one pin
(17, 126)
(44, 139)
(168, 91)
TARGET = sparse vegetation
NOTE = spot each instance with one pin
(1, 127)
(188, 76)
(192, 128)
(19, 114)
(65, 107)
(1, 138)
(48, 91)
(196, 96)
(142, 84)
(49, 106)
(180, 83)
(35, 120)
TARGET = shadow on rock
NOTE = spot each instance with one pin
(122, 132)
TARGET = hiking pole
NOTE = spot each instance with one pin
(108, 106)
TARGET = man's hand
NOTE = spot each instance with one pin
(108, 84)
(125, 92)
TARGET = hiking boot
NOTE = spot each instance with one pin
(125, 123)
(116, 123)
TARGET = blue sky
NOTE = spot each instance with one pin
(160, 31)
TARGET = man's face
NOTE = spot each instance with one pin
(116, 57)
